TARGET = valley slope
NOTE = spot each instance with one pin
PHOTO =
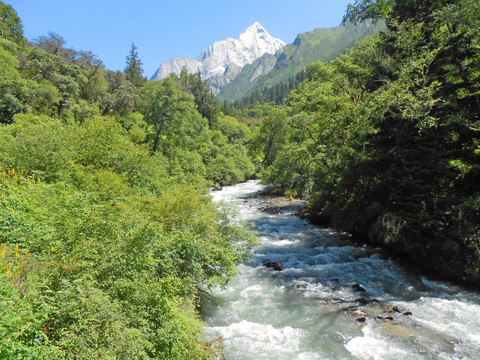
(320, 44)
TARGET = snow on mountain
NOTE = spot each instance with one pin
(223, 60)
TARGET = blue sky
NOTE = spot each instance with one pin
(163, 29)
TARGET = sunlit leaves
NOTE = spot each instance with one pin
(119, 245)
(384, 140)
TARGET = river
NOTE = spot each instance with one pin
(333, 300)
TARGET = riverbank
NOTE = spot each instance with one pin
(314, 308)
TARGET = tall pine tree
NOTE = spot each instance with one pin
(133, 70)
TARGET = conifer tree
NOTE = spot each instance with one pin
(133, 69)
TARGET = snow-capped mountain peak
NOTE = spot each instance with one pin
(223, 60)
(255, 28)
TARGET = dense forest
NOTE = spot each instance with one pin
(106, 231)
(385, 140)
(275, 94)
(106, 227)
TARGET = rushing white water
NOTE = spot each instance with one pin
(310, 310)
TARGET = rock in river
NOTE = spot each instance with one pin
(357, 287)
(274, 265)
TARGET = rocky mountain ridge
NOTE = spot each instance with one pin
(320, 44)
(222, 61)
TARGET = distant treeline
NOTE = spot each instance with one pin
(272, 94)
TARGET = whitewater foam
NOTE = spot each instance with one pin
(309, 310)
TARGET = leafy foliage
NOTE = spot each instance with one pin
(15, 91)
(11, 27)
(106, 229)
(384, 140)
(205, 102)
(118, 249)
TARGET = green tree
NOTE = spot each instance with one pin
(133, 70)
(11, 27)
(67, 78)
(16, 93)
(204, 100)
(418, 10)
(92, 67)
(163, 102)
(121, 96)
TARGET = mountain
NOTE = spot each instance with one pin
(320, 44)
(223, 60)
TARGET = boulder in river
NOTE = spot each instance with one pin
(217, 187)
(359, 313)
(364, 301)
(361, 301)
(357, 288)
(274, 265)
(399, 309)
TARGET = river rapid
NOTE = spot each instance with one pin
(333, 300)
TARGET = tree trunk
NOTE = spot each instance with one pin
(157, 136)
